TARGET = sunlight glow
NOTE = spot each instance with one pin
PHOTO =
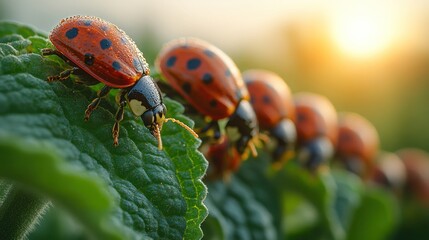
(361, 32)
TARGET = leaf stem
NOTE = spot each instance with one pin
(19, 212)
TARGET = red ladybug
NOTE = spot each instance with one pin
(358, 143)
(272, 101)
(390, 172)
(316, 125)
(223, 159)
(416, 163)
(101, 50)
(210, 81)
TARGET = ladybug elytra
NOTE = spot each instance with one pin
(390, 172)
(223, 160)
(357, 145)
(416, 163)
(272, 101)
(210, 81)
(94, 47)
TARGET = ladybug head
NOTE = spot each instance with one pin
(145, 101)
(153, 119)
(285, 135)
(315, 153)
(242, 127)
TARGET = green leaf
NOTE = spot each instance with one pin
(157, 194)
(314, 190)
(414, 218)
(190, 166)
(246, 206)
(39, 170)
(57, 224)
(375, 217)
(348, 195)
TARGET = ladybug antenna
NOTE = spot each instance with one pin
(158, 137)
(183, 126)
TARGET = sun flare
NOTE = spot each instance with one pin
(362, 32)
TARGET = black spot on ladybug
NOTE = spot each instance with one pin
(171, 61)
(105, 43)
(301, 117)
(207, 78)
(209, 53)
(193, 64)
(87, 22)
(266, 99)
(187, 87)
(213, 103)
(72, 33)
(227, 73)
(345, 137)
(137, 65)
(89, 59)
(116, 65)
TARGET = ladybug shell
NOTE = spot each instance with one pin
(101, 49)
(357, 137)
(315, 117)
(416, 163)
(205, 76)
(223, 158)
(390, 171)
(270, 96)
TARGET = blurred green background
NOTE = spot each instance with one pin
(369, 57)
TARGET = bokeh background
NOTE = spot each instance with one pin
(369, 57)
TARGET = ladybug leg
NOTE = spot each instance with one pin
(50, 51)
(87, 80)
(64, 74)
(118, 117)
(94, 104)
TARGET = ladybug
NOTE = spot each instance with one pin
(212, 84)
(416, 162)
(316, 125)
(272, 101)
(357, 144)
(390, 172)
(223, 159)
(94, 47)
